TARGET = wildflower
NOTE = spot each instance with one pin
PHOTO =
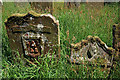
(81, 12)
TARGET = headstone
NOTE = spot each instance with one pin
(72, 4)
(42, 7)
(33, 34)
(119, 11)
(116, 40)
(92, 50)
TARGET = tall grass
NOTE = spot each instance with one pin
(80, 23)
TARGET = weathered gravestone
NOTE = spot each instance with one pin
(42, 7)
(47, 7)
(33, 34)
(116, 40)
(72, 4)
(93, 51)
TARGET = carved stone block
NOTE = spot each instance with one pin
(93, 51)
(33, 34)
(116, 40)
(44, 7)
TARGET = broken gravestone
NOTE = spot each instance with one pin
(33, 34)
(116, 40)
(93, 51)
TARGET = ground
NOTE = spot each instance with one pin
(78, 23)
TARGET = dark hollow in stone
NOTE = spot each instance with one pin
(89, 54)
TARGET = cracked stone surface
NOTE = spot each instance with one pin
(33, 34)
(116, 40)
(92, 50)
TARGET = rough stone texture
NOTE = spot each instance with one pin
(119, 11)
(93, 51)
(72, 4)
(33, 34)
(42, 7)
(116, 40)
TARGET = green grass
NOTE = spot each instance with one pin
(80, 23)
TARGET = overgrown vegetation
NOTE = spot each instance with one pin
(78, 23)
